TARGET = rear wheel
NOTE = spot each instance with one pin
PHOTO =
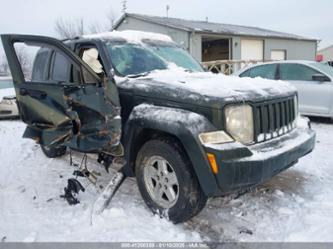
(53, 152)
(167, 182)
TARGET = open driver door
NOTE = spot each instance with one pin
(84, 116)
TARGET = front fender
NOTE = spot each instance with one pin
(184, 125)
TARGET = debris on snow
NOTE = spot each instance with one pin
(245, 230)
(72, 190)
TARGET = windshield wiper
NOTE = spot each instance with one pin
(138, 75)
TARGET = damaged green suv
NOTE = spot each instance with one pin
(185, 134)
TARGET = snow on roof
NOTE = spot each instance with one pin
(131, 36)
(211, 27)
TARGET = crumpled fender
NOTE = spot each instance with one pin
(185, 125)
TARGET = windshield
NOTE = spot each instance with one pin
(174, 54)
(133, 59)
(325, 68)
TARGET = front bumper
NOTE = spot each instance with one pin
(8, 108)
(243, 166)
(8, 111)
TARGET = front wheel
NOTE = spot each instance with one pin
(53, 152)
(167, 182)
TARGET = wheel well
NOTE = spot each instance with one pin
(144, 135)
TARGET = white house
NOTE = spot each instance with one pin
(208, 41)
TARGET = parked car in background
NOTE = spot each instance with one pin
(8, 108)
(313, 81)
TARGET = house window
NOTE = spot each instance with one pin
(278, 55)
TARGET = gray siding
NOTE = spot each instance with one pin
(296, 50)
(196, 46)
(236, 48)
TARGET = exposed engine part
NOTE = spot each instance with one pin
(72, 190)
(106, 160)
(104, 199)
(83, 169)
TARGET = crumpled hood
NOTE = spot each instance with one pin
(207, 87)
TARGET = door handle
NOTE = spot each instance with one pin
(33, 93)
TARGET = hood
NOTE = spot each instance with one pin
(206, 88)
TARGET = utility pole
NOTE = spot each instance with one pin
(124, 6)
(167, 10)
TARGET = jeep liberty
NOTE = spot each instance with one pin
(185, 134)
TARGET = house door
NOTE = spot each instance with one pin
(252, 50)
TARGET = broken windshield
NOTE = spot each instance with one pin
(174, 54)
(133, 59)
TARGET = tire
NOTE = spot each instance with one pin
(54, 152)
(190, 199)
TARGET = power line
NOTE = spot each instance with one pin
(124, 6)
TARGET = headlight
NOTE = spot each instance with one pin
(215, 137)
(239, 123)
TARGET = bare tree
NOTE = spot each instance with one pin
(4, 69)
(24, 58)
(111, 17)
(107, 25)
(69, 29)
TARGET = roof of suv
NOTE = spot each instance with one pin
(131, 36)
(288, 61)
(305, 62)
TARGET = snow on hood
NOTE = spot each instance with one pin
(212, 85)
(131, 36)
(220, 85)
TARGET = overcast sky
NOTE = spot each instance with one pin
(309, 18)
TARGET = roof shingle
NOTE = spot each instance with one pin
(214, 28)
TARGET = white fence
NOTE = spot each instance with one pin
(228, 66)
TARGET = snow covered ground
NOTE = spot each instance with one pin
(297, 205)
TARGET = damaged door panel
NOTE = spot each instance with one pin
(82, 115)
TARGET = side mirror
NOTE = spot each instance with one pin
(320, 78)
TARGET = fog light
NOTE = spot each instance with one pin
(215, 137)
